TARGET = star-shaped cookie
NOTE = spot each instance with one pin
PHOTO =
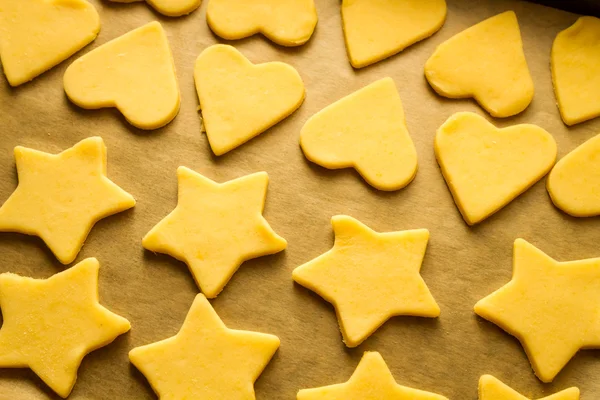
(51, 324)
(61, 196)
(370, 277)
(491, 388)
(205, 360)
(216, 227)
(551, 307)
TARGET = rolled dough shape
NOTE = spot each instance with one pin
(491, 388)
(170, 8)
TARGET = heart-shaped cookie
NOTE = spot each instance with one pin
(575, 64)
(366, 131)
(377, 29)
(36, 35)
(486, 167)
(240, 100)
(134, 73)
(286, 22)
(171, 8)
(486, 62)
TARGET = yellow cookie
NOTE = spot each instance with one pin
(486, 167)
(240, 100)
(51, 324)
(171, 8)
(61, 196)
(134, 73)
(575, 64)
(370, 277)
(551, 307)
(485, 62)
(491, 388)
(36, 35)
(366, 131)
(372, 379)
(216, 227)
(286, 22)
(378, 29)
(205, 360)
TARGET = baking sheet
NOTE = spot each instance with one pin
(462, 264)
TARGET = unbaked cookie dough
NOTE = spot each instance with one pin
(486, 167)
(485, 62)
(370, 277)
(366, 131)
(205, 360)
(61, 196)
(171, 8)
(134, 73)
(240, 100)
(51, 324)
(491, 388)
(36, 35)
(285, 22)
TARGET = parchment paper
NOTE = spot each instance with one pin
(462, 264)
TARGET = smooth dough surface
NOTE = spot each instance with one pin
(370, 277)
(51, 324)
(377, 29)
(216, 227)
(205, 360)
(171, 8)
(134, 73)
(575, 64)
(486, 167)
(491, 388)
(551, 307)
(366, 131)
(36, 35)
(372, 380)
(240, 100)
(486, 62)
(285, 22)
(61, 196)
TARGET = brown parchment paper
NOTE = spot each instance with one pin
(462, 264)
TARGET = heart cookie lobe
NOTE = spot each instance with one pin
(485, 62)
(170, 8)
(134, 73)
(366, 131)
(486, 167)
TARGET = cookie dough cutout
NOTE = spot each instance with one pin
(134, 73)
(377, 29)
(486, 167)
(170, 8)
(366, 131)
(372, 379)
(205, 360)
(551, 307)
(240, 100)
(575, 65)
(39, 34)
(285, 22)
(61, 196)
(370, 277)
(216, 227)
(491, 388)
(51, 324)
(486, 62)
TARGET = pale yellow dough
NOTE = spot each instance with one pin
(61, 196)
(134, 73)
(240, 100)
(575, 64)
(51, 324)
(36, 35)
(551, 307)
(378, 29)
(171, 8)
(205, 360)
(372, 380)
(491, 388)
(216, 227)
(486, 167)
(486, 62)
(370, 277)
(286, 22)
(366, 131)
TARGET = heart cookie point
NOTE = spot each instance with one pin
(170, 8)
(134, 73)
